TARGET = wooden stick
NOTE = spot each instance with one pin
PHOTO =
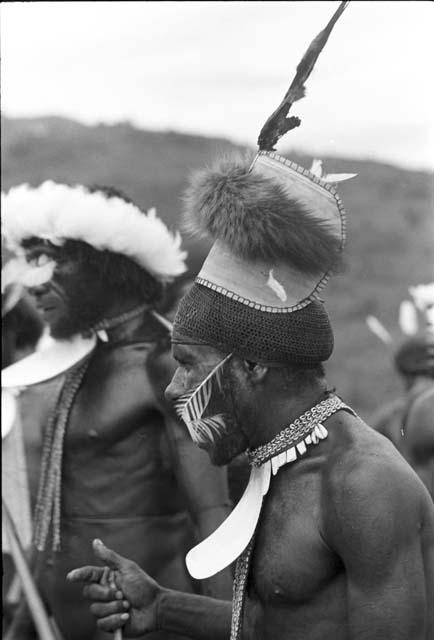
(30, 590)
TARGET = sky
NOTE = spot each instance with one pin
(220, 69)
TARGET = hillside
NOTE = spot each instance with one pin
(390, 222)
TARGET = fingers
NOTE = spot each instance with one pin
(86, 574)
(105, 609)
(102, 593)
(109, 557)
(113, 622)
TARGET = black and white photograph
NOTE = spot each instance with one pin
(217, 228)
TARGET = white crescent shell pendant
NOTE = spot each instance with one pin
(42, 365)
(48, 363)
(227, 542)
(9, 411)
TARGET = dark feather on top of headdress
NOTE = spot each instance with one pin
(256, 219)
(278, 123)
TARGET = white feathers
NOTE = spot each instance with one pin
(57, 212)
(378, 329)
(12, 272)
(423, 301)
(408, 320)
(18, 274)
(316, 167)
(317, 170)
(423, 295)
(191, 407)
(276, 287)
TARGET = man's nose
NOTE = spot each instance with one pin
(173, 389)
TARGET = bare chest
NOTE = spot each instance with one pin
(291, 563)
(114, 404)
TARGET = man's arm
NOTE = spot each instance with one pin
(374, 522)
(132, 600)
(205, 486)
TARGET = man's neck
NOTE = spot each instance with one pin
(279, 412)
(122, 320)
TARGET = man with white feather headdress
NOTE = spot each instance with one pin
(115, 460)
(334, 535)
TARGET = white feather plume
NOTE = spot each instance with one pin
(57, 212)
(408, 320)
(378, 329)
(423, 296)
(317, 170)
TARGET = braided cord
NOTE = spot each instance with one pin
(48, 506)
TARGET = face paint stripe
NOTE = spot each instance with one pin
(192, 405)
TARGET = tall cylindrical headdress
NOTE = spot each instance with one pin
(278, 232)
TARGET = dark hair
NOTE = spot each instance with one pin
(299, 376)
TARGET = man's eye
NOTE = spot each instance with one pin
(39, 261)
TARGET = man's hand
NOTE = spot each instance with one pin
(130, 599)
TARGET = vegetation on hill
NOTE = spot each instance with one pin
(389, 211)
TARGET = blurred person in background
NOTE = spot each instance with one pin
(408, 421)
(115, 460)
(22, 330)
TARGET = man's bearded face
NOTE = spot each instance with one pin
(70, 301)
(202, 392)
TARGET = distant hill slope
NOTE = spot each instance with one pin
(390, 222)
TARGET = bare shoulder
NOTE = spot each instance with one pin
(369, 488)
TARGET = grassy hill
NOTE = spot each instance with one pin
(390, 223)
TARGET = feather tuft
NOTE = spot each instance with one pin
(378, 329)
(191, 406)
(57, 212)
(256, 219)
(408, 320)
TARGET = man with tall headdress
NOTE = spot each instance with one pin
(116, 461)
(334, 536)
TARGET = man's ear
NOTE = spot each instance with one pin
(255, 371)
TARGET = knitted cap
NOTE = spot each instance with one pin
(278, 234)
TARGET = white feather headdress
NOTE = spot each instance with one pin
(57, 212)
(413, 314)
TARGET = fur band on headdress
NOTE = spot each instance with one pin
(255, 218)
(57, 212)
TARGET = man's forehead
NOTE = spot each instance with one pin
(194, 350)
